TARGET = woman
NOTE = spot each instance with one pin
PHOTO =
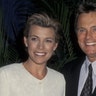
(33, 77)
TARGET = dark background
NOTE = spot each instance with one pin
(14, 16)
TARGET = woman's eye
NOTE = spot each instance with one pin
(49, 40)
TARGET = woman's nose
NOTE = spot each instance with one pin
(40, 45)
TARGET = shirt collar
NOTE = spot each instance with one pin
(87, 63)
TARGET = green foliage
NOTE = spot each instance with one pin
(62, 11)
(8, 53)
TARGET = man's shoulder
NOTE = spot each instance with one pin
(73, 64)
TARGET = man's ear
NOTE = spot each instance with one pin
(25, 41)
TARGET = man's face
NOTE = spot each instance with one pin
(86, 34)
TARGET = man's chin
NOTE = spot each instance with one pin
(92, 57)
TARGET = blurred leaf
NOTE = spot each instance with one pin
(62, 11)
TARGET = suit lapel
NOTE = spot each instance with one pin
(71, 73)
(94, 92)
(75, 75)
(75, 79)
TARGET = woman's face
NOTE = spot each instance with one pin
(40, 43)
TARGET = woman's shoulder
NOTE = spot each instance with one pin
(56, 75)
(55, 72)
(10, 67)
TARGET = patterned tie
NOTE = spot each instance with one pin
(87, 89)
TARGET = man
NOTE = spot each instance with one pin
(76, 72)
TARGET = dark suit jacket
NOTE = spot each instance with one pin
(71, 73)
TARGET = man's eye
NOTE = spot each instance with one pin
(94, 29)
(81, 30)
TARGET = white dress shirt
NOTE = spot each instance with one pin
(84, 74)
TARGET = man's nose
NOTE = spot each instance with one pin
(88, 34)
